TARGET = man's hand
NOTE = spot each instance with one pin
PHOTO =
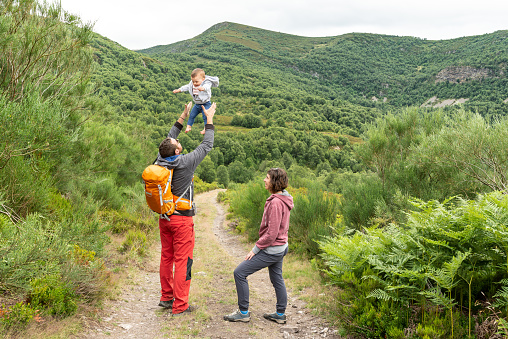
(177, 90)
(185, 112)
(209, 113)
(187, 109)
(249, 255)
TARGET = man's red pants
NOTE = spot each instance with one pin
(177, 239)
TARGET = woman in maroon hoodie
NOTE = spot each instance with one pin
(269, 250)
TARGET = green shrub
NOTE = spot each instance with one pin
(30, 131)
(53, 295)
(87, 273)
(18, 316)
(121, 221)
(223, 196)
(313, 217)
(83, 226)
(29, 252)
(59, 206)
(223, 176)
(367, 317)
(361, 194)
(447, 254)
(104, 190)
(248, 202)
(200, 186)
(38, 247)
(28, 190)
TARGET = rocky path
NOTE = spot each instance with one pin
(135, 314)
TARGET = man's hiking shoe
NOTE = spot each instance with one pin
(166, 303)
(238, 316)
(189, 309)
(280, 319)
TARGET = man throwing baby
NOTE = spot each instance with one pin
(177, 229)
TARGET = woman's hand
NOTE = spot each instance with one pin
(249, 255)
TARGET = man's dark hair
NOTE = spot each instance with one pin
(278, 180)
(166, 148)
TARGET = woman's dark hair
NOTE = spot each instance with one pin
(278, 180)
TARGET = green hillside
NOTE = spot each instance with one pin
(404, 70)
(256, 106)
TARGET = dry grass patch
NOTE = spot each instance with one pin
(306, 281)
(222, 119)
(247, 43)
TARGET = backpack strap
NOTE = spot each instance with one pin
(190, 196)
(165, 216)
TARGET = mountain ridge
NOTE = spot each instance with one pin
(404, 70)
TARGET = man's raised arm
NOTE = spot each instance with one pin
(177, 127)
(195, 157)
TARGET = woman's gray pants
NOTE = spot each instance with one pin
(256, 263)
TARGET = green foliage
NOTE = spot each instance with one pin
(313, 217)
(372, 318)
(445, 253)
(472, 146)
(248, 202)
(223, 196)
(121, 221)
(200, 186)
(53, 295)
(361, 194)
(223, 176)
(238, 172)
(39, 247)
(29, 131)
(17, 316)
(87, 273)
(206, 170)
(429, 156)
(44, 49)
(34, 248)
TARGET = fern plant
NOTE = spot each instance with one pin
(445, 250)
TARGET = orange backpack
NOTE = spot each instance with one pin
(158, 189)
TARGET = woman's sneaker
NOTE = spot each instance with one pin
(238, 316)
(280, 319)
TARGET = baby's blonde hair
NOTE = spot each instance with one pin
(197, 72)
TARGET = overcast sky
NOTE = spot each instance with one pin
(139, 24)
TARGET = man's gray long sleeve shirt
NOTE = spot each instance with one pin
(184, 165)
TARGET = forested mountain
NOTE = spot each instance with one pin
(332, 85)
(312, 130)
(399, 71)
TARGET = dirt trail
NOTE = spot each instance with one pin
(135, 314)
